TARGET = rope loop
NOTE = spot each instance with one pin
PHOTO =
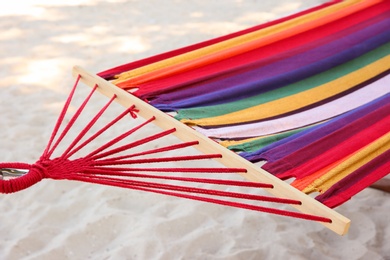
(58, 168)
(34, 175)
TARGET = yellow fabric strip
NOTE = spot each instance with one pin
(353, 163)
(272, 30)
(297, 101)
(303, 183)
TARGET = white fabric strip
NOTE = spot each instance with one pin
(308, 117)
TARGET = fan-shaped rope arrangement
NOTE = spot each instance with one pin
(118, 165)
(308, 93)
(105, 166)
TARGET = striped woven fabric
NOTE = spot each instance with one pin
(309, 94)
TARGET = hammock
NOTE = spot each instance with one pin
(307, 95)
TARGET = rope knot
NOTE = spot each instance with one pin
(58, 168)
(39, 169)
(133, 110)
(61, 168)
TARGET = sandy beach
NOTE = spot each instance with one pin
(40, 42)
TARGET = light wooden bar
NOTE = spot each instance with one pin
(340, 224)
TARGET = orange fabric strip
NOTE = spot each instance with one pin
(301, 184)
(240, 44)
(354, 162)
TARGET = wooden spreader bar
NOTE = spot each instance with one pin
(340, 224)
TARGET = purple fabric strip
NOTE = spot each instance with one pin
(325, 142)
(259, 78)
(164, 85)
(349, 182)
(278, 150)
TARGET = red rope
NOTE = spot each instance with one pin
(178, 169)
(97, 167)
(72, 121)
(158, 160)
(20, 183)
(186, 179)
(118, 183)
(67, 152)
(213, 192)
(61, 117)
(119, 138)
(159, 150)
(134, 144)
(102, 130)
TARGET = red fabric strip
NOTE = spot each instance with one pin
(332, 147)
(340, 150)
(268, 54)
(356, 181)
(109, 74)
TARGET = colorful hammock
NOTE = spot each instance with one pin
(308, 94)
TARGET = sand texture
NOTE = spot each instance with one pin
(40, 42)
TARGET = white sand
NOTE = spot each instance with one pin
(39, 44)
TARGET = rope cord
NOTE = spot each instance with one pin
(134, 144)
(101, 131)
(72, 121)
(159, 150)
(100, 165)
(195, 170)
(86, 129)
(185, 179)
(188, 189)
(118, 183)
(61, 117)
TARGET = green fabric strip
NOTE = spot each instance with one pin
(261, 142)
(303, 85)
